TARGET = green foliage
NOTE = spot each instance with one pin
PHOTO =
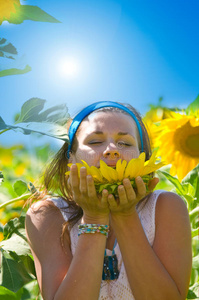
(193, 108)
(17, 263)
(29, 12)
(32, 119)
(20, 187)
(13, 64)
(1, 177)
(15, 71)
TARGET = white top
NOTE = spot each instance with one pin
(119, 289)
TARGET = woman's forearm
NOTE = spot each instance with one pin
(84, 276)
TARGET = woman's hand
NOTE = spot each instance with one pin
(128, 197)
(95, 207)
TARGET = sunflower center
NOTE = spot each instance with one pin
(186, 139)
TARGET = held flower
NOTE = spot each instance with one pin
(106, 177)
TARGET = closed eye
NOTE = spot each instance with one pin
(94, 142)
(123, 144)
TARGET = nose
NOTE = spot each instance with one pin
(111, 151)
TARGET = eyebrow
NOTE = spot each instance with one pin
(119, 133)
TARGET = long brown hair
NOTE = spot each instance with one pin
(54, 175)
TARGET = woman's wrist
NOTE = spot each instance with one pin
(101, 220)
(123, 216)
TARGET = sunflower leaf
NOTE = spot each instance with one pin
(191, 295)
(29, 12)
(7, 49)
(10, 62)
(31, 119)
(20, 187)
(7, 294)
(193, 108)
(193, 178)
(175, 182)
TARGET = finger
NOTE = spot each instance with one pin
(129, 190)
(104, 199)
(122, 194)
(83, 180)
(141, 188)
(74, 179)
(90, 187)
(112, 202)
(152, 183)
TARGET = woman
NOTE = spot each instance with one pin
(140, 247)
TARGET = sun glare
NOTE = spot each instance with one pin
(69, 67)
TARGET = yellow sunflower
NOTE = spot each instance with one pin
(7, 8)
(110, 178)
(178, 140)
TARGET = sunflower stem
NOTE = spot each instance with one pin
(23, 197)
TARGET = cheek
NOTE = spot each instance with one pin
(129, 154)
(88, 155)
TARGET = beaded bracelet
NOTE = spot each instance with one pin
(93, 228)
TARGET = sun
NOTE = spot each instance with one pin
(69, 67)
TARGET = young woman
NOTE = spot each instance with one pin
(146, 254)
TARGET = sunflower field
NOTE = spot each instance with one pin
(175, 138)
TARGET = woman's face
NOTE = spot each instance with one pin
(107, 136)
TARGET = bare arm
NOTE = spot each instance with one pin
(60, 275)
(161, 272)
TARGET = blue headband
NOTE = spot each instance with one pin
(89, 109)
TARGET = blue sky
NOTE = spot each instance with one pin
(128, 51)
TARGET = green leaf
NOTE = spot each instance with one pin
(194, 232)
(191, 295)
(20, 187)
(189, 190)
(174, 181)
(193, 178)
(17, 244)
(17, 226)
(33, 119)
(29, 12)
(13, 274)
(7, 294)
(15, 71)
(31, 291)
(7, 49)
(195, 262)
(193, 108)
(17, 267)
(31, 109)
(1, 177)
(10, 62)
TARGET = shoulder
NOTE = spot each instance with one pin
(172, 218)
(170, 205)
(42, 212)
(44, 222)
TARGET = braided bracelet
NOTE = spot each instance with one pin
(93, 228)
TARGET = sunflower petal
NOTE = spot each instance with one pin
(104, 170)
(96, 174)
(88, 168)
(120, 168)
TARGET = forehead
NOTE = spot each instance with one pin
(108, 122)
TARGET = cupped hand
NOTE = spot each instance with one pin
(94, 206)
(128, 197)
